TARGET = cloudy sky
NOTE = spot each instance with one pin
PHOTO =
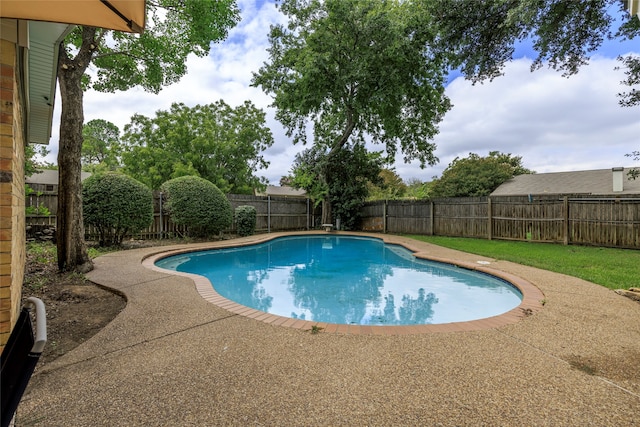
(556, 124)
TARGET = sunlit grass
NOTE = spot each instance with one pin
(612, 268)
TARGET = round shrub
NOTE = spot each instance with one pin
(197, 204)
(117, 205)
(246, 220)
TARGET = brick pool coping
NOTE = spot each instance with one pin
(531, 302)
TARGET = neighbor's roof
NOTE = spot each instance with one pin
(578, 182)
(50, 176)
(284, 191)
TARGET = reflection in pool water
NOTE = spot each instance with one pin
(347, 280)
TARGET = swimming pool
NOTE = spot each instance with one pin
(349, 280)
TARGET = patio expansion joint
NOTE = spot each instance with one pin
(559, 359)
(133, 285)
(561, 292)
(130, 346)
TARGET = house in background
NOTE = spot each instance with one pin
(602, 182)
(633, 6)
(45, 194)
(282, 191)
(46, 180)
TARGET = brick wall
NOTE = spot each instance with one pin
(12, 216)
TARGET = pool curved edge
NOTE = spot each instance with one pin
(531, 302)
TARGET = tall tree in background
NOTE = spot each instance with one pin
(480, 36)
(31, 164)
(476, 176)
(391, 186)
(216, 142)
(120, 61)
(356, 69)
(347, 175)
(634, 173)
(100, 146)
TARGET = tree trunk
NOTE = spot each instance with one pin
(72, 251)
(326, 211)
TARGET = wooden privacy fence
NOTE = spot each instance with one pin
(46, 200)
(272, 214)
(592, 220)
(585, 220)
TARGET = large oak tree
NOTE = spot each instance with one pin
(341, 181)
(119, 61)
(219, 143)
(476, 176)
(358, 70)
(100, 146)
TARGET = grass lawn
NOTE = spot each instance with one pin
(612, 268)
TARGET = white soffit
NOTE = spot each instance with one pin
(41, 72)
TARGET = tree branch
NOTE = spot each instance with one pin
(124, 53)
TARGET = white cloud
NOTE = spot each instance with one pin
(554, 123)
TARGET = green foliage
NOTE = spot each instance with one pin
(391, 187)
(286, 181)
(476, 176)
(315, 329)
(31, 165)
(634, 173)
(417, 189)
(198, 204)
(308, 167)
(96, 251)
(40, 256)
(157, 57)
(216, 142)
(41, 252)
(101, 147)
(347, 174)
(360, 71)
(632, 72)
(117, 205)
(35, 210)
(612, 268)
(119, 61)
(480, 37)
(246, 220)
(356, 68)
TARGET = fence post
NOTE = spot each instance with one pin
(161, 218)
(490, 219)
(565, 220)
(432, 215)
(384, 216)
(268, 214)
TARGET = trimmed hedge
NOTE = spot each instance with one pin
(117, 205)
(197, 204)
(246, 220)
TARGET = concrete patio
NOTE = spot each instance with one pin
(173, 358)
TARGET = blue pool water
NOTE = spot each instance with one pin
(347, 280)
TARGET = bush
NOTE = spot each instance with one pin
(117, 205)
(246, 220)
(197, 204)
